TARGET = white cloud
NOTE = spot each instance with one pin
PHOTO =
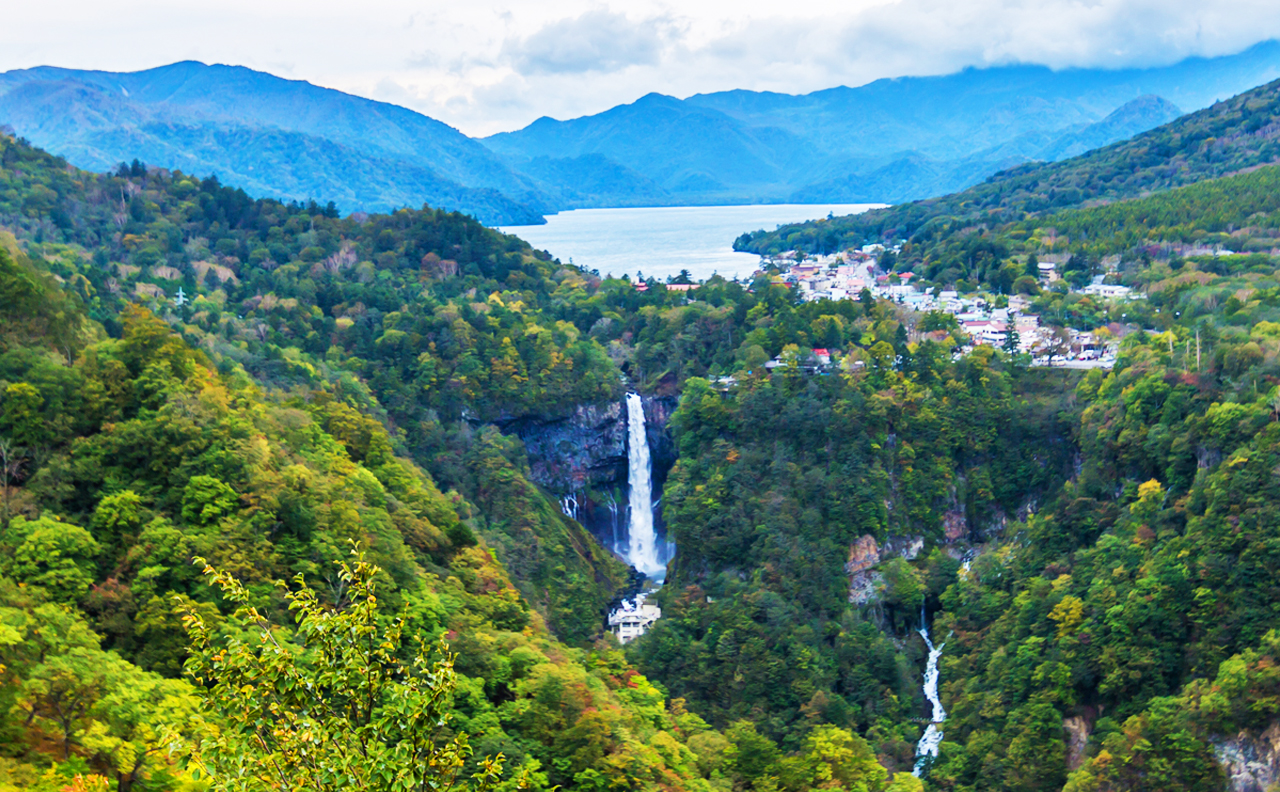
(596, 41)
(489, 65)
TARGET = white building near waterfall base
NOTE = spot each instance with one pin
(633, 620)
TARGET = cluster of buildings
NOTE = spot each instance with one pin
(848, 274)
(844, 276)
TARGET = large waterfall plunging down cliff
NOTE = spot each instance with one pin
(927, 748)
(642, 541)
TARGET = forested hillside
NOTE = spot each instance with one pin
(1091, 606)
(779, 479)
(293, 295)
(139, 455)
(263, 424)
(1229, 137)
(1095, 553)
(1115, 629)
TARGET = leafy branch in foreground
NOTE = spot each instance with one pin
(335, 709)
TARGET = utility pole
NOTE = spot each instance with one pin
(1197, 350)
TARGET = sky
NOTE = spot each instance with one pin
(486, 66)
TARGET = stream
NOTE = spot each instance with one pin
(927, 748)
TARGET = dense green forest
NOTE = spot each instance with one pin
(1096, 552)
(1126, 547)
(265, 425)
(138, 454)
(778, 480)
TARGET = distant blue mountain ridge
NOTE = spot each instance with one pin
(283, 138)
(890, 140)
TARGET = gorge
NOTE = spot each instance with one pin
(604, 463)
(500, 430)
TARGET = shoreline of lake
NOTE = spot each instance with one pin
(660, 241)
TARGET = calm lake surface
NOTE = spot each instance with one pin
(661, 241)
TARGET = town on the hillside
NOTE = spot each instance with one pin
(843, 276)
(981, 319)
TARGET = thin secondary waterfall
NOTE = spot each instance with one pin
(613, 524)
(927, 748)
(642, 542)
(569, 505)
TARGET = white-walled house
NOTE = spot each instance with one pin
(629, 623)
(1110, 291)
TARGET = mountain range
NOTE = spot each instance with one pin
(271, 136)
(1236, 135)
(890, 140)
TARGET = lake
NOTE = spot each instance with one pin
(661, 241)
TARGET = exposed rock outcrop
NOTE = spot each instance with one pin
(865, 586)
(1251, 763)
(585, 449)
(909, 547)
(863, 554)
(1078, 729)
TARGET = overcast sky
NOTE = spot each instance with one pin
(486, 66)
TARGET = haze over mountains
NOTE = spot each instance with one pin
(271, 136)
(891, 140)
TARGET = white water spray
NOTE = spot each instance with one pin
(642, 542)
(927, 748)
(569, 505)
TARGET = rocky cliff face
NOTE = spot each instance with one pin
(1078, 728)
(657, 417)
(585, 449)
(1251, 763)
(865, 554)
(662, 447)
(582, 459)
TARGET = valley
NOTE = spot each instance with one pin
(897, 549)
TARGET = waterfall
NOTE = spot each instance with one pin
(613, 524)
(569, 505)
(927, 748)
(642, 542)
